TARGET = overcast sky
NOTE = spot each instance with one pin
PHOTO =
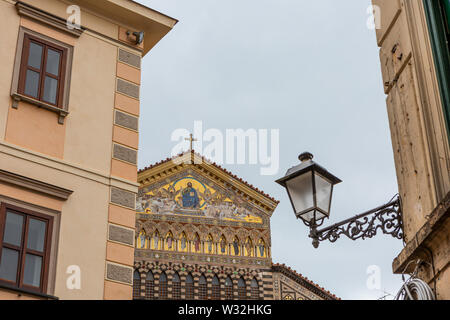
(311, 70)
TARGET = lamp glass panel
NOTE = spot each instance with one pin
(308, 216)
(323, 192)
(301, 192)
(319, 215)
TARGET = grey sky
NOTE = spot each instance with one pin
(308, 68)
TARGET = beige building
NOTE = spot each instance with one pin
(413, 37)
(69, 109)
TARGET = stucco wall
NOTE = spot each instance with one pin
(76, 155)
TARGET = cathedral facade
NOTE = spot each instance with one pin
(204, 234)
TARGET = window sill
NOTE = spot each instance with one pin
(17, 97)
(21, 292)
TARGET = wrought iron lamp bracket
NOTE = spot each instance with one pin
(387, 217)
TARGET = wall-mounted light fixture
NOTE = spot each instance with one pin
(139, 36)
(310, 187)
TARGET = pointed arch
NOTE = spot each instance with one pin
(183, 243)
(163, 286)
(236, 246)
(209, 245)
(150, 286)
(196, 245)
(242, 289)
(223, 245)
(215, 288)
(141, 241)
(248, 247)
(261, 249)
(136, 285)
(176, 286)
(189, 284)
(156, 240)
(202, 288)
(169, 243)
(228, 288)
(254, 289)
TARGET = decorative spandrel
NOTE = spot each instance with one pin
(197, 197)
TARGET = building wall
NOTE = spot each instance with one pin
(418, 131)
(287, 289)
(93, 153)
(227, 209)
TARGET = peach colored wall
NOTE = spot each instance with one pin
(123, 170)
(52, 33)
(37, 129)
(127, 104)
(30, 197)
(126, 137)
(89, 124)
(83, 220)
(88, 19)
(120, 253)
(117, 291)
(122, 216)
(9, 20)
(82, 145)
(76, 155)
(129, 73)
(9, 295)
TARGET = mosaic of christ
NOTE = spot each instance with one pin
(189, 196)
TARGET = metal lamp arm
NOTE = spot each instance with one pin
(387, 217)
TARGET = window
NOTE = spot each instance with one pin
(42, 71)
(255, 289)
(176, 287)
(136, 285)
(163, 286)
(438, 15)
(25, 239)
(202, 288)
(215, 288)
(189, 287)
(149, 286)
(228, 289)
(242, 292)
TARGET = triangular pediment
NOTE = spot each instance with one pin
(189, 185)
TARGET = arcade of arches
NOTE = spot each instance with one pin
(204, 234)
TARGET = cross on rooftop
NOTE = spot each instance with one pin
(191, 140)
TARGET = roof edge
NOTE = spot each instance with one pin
(288, 271)
(209, 162)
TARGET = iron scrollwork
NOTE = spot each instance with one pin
(387, 218)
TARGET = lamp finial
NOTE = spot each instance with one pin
(305, 156)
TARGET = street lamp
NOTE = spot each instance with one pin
(310, 189)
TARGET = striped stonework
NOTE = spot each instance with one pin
(267, 285)
(184, 269)
(124, 145)
(215, 257)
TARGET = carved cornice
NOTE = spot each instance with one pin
(26, 10)
(199, 267)
(35, 185)
(158, 255)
